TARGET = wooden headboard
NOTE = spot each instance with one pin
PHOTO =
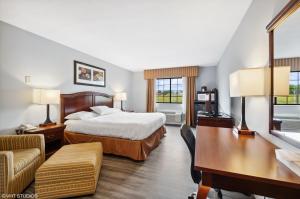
(82, 101)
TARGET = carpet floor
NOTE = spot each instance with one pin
(164, 175)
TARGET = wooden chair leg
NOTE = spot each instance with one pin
(202, 192)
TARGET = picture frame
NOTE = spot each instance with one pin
(89, 75)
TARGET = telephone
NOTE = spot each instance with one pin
(24, 127)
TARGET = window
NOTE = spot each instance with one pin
(169, 90)
(294, 97)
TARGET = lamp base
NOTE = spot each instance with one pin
(243, 131)
(47, 122)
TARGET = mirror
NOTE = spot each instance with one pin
(286, 105)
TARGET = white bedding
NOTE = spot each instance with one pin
(133, 126)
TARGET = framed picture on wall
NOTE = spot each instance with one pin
(86, 74)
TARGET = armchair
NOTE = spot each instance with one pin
(20, 157)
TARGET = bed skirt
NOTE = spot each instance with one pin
(134, 149)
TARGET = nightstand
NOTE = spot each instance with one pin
(54, 137)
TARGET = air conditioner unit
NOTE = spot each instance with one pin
(173, 117)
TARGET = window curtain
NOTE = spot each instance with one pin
(184, 84)
(150, 95)
(189, 72)
(190, 98)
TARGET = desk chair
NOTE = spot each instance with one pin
(189, 138)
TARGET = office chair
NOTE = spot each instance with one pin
(189, 138)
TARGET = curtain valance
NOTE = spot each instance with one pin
(293, 62)
(189, 71)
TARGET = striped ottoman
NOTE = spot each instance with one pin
(71, 171)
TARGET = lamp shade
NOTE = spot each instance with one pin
(121, 96)
(45, 96)
(248, 82)
(282, 80)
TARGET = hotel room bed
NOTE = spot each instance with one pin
(132, 135)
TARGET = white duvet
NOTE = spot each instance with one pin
(133, 126)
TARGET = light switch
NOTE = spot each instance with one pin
(27, 79)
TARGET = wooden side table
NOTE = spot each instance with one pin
(54, 137)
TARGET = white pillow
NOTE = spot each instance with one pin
(110, 111)
(81, 115)
(99, 109)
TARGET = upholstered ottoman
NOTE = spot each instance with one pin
(71, 171)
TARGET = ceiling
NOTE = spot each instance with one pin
(133, 34)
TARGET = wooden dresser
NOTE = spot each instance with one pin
(54, 137)
(223, 120)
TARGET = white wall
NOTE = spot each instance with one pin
(139, 87)
(207, 77)
(249, 48)
(50, 65)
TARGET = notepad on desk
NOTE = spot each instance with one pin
(290, 159)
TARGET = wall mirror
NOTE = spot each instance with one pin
(284, 31)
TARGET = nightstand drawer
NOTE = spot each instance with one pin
(52, 135)
(49, 137)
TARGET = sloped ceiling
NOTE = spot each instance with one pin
(133, 34)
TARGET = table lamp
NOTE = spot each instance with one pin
(247, 82)
(46, 97)
(121, 97)
(281, 80)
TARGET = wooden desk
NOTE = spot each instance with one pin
(242, 163)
